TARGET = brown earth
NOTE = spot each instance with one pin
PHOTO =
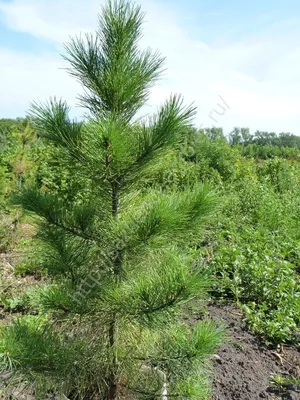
(244, 365)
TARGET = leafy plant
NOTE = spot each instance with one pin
(255, 258)
(284, 382)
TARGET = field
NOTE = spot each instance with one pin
(249, 248)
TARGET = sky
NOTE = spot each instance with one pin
(238, 61)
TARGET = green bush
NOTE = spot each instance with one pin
(256, 255)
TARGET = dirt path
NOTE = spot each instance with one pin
(244, 365)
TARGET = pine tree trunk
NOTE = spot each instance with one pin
(112, 382)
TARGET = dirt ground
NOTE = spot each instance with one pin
(244, 365)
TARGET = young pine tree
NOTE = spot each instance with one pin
(110, 322)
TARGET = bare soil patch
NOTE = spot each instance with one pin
(244, 365)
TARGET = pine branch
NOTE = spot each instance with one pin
(164, 130)
(166, 305)
(55, 212)
(53, 123)
(72, 231)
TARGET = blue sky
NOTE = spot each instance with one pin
(246, 52)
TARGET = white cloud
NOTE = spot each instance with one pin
(25, 77)
(257, 76)
(53, 20)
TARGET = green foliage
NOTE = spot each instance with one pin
(31, 347)
(243, 136)
(269, 290)
(100, 63)
(213, 153)
(8, 230)
(256, 254)
(203, 155)
(265, 145)
(31, 262)
(267, 151)
(282, 175)
(15, 304)
(284, 382)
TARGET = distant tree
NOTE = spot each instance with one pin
(111, 321)
(245, 134)
(6, 127)
(17, 139)
(214, 133)
(235, 136)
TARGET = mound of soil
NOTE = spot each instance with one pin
(244, 365)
